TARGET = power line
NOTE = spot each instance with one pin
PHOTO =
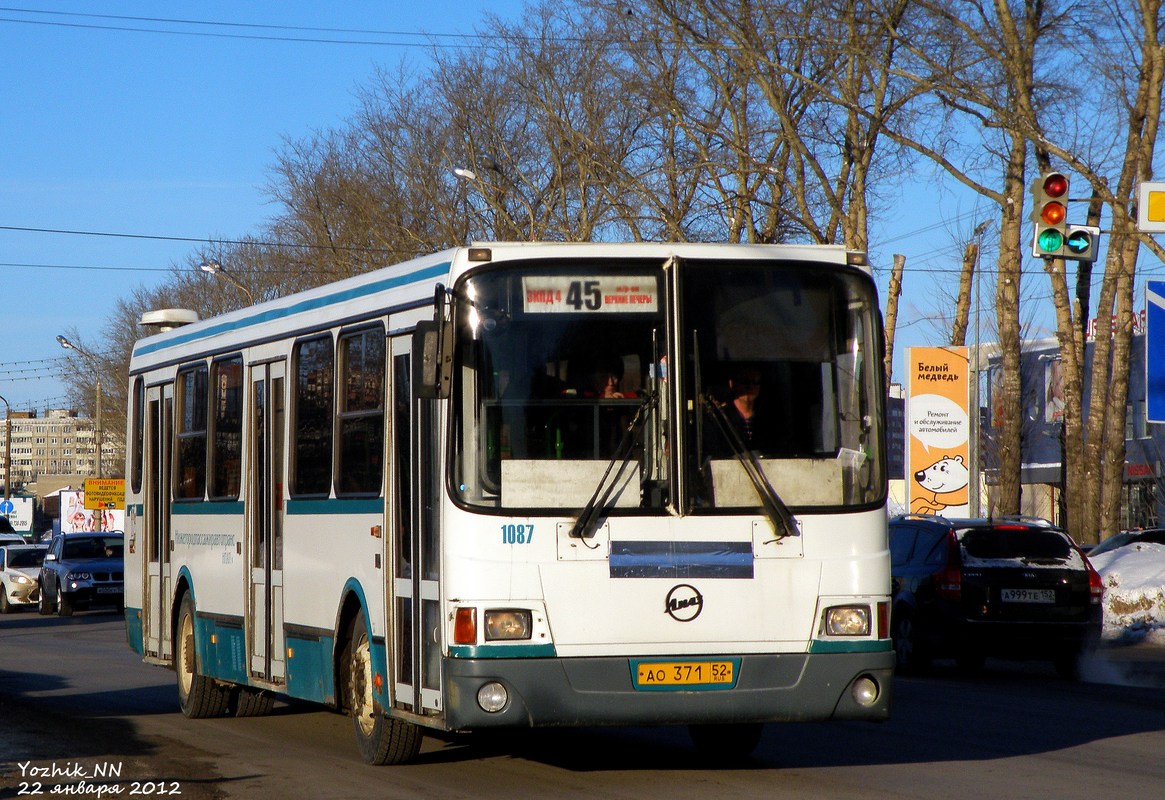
(431, 39)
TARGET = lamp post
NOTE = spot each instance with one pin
(975, 499)
(7, 451)
(214, 268)
(65, 343)
(489, 164)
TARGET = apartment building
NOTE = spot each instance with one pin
(57, 442)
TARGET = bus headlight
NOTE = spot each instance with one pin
(847, 621)
(507, 623)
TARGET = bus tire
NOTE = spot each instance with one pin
(726, 742)
(249, 702)
(199, 697)
(380, 739)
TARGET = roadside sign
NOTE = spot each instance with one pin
(1155, 351)
(1151, 207)
(102, 493)
(7, 507)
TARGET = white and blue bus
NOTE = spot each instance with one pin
(512, 485)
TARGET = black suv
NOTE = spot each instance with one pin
(970, 588)
(81, 570)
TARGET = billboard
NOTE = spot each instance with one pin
(938, 431)
(76, 518)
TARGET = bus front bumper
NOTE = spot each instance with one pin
(568, 692)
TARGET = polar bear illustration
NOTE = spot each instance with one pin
(944, 487)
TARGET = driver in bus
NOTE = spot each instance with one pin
(744, 414)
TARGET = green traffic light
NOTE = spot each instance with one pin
(1050, 240)
(1079, 242)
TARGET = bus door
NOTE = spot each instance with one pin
(156, 488)
(264, 525)
(415, 621)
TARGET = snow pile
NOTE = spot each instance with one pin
(1134, 593)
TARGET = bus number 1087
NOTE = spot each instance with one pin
(517, 534)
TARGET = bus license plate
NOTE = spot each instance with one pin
(1028, 595)
(667, 674)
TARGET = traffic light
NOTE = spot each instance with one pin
(1050, 214)
(1081, 242)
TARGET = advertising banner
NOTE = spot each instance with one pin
(938, 429)
(76, 518)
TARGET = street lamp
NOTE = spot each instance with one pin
(489, 164)
(975, 499)
(97, 419)
(214, 268)
(7, 451)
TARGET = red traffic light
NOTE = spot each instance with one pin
(1055, 185)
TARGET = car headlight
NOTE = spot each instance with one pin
(847, 621)
(21, 579)
(78, 576)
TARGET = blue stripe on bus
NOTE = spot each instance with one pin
(233, 507)
(311, 304)
(851, 646)
(373, 505)
(635, 559)
(502, 651)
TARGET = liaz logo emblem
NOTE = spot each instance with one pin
(684, 603)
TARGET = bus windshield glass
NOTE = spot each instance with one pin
(571, 375)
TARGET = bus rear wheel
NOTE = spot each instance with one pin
(381, 740)
(199, 697)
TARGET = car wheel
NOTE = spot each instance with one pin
(64, 605)
(42, 603)
(909, 655)
(199, 696)
(5, 606)
(381, 740)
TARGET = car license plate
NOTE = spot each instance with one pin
(108, 590)
(1028, 595)
(684, 674)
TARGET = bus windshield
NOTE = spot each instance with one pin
(664, 380)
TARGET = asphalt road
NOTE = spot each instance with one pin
(79, 714)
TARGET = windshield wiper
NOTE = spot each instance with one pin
(588, 519)
(775, 509)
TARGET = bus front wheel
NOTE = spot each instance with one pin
(199, 697)
(381, 740)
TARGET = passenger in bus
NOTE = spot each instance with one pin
(604, 380)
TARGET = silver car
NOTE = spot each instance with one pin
(19, 568)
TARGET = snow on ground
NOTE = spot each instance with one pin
(1134, 593)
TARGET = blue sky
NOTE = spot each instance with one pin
(155, 132)
(110, 126)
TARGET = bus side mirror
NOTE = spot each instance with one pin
(433, 359)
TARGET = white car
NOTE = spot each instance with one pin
(19, 568)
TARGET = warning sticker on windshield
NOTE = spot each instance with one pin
(570, 294)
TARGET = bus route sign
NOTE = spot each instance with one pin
(104, 493)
